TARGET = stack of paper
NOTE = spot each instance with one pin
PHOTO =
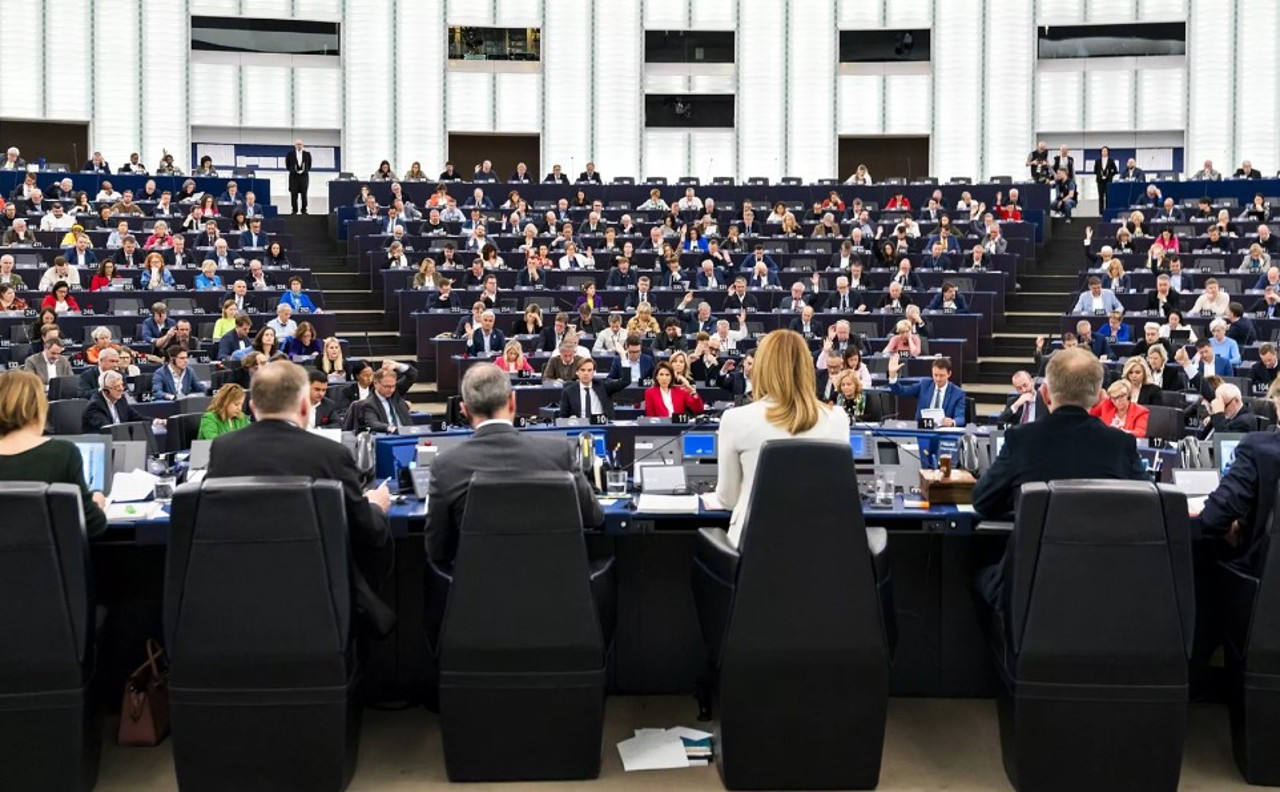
(664, 749)
(135, 485)
(667, 504)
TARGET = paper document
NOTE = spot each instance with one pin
(711, 502)
(667, 504)
(652, 750)
(129, 512)
(135, 485)
(1195, 505)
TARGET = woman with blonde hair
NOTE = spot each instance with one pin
(513, 359)
(225, 413)
(643, 322)
(786, 406)
(331, 363)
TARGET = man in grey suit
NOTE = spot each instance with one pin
(490, 405)
(50, 362)
(385, 410)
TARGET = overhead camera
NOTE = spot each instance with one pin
(906, 43)
(683, 108)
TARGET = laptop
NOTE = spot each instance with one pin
(1196, 484)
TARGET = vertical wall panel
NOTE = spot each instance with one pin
(711, 152)
(215, 94)
(811, 90)
(116, 123)
(908, 105)
(419, 120)
(368, 128)
(1008, 70)
(1058, 95)
(665, 153)
(1107, 103)
(164, 85)
(319, 9)
(1162, 10)
(666, 14)
(22, 59)
(266, 96)
(568, 99)
(859, 14)
(469, 12)
(908, 13)
(1110, 11)
(516, 103)
(712, 14)
(1211, 132)
(860, 100)
(1162, 98)
(318, 100)
(1256, 66)
(470, 97)
(267, 9)
(68, 49)
(518, 15)
(618, 89)
(957, 105)
(760, 90)
(1060, 12)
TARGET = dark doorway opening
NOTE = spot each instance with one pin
(55, 141)
(885, 157)
(466, 151)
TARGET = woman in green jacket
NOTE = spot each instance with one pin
(225, 414)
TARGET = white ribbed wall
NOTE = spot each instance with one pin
(125, 66)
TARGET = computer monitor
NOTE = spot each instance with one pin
(699, 446)
(128, 456)
(95, 457)
(1224, 450)
(199, 457)
(1195, 482)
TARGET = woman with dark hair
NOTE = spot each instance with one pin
(206, 167)
(103, 277)
(383, 173)
(60, 300)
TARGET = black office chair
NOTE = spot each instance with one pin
(1249, 600)
(66, 416)
(798, 624)
(64, 388)
(50, 732)
(182, 429)
(881, 406)
(1093, 637)
(1166, 423)
(262, 673)
(522, 651)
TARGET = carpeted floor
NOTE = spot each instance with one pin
(931, 744)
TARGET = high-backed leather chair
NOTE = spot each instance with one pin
(522, 657)
(50, 732)
(66, 416)
(182, 429)
(1250, 619)
(257, 618)
(1093, 637)
(795, 628)
(1166, 423)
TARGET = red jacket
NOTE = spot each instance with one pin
(50, 302)
(654, 407)
(1135, 421)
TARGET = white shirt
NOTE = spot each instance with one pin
(51, 222)
(589, 399)
(51, 276)
(742, 431)
(609, 340)
(52, 367)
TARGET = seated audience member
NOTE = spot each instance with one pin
(665, 398)
(635, 367)
(1097, 300)
(49, 362)
(1163, 298)
(936, 393)
(1240, 328)
(948, 300)
(643, 322)
(101, 342)
(1228, 411)
(484, 338)
(91, 378)
(495, 446)
(903, 341)
(1213, 301)
(1083, 448)
(225, 413)
(1204, 365)
(303, 343)
(564, 365)
(1237, 514)
(385, 410)
(1119, 410)
(108, 404)
(1161, 374)
(236, 342)
(60, 300)
(324, 411)
(296, 299)
(1142, 390)
(283, 325)
(613, 339)
(277, 444)
(513, 359)
(27, 455)
(851, 397)
(1263, 372)
(584, 397)
(1223, 346)
(785, 406)
(175, 379)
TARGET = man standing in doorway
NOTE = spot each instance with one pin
(298, 162)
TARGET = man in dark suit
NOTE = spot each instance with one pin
(385, 410)
(91, 378)
(1026, 405)
(298, 163)
(633, 368)
(276, 444)
(1105, 171)
(739, 299)
(556, 176)
(737, 379)
(50, 362)
(574, 397)
(590, 175)
(806, 325)
(323, 409)
(1067, 444)
(936, 393)
(485, 339)
(108, 405)
(490, 404)
(641, 294)
(1240, 508)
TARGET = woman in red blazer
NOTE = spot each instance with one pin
(665, 398)
(1118, 410)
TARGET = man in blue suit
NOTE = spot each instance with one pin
(936, 393)
(757, 256)
(1240, 508)
(1203, 366)
(1097, 300)
(484, 340)
(709, 277)
(175, 380)
(254, 237)
(632, 368)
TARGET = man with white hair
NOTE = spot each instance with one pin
(1207, 173)
(1228, 411)
(283, 324)
(64, 189)
(12, 161)
(109, 405)
(728, 338)
(485, 340)
(19, 234)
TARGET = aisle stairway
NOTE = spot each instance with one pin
(349, 296)
(1046, 290)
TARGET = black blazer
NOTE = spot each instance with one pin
(551, 178)
(278, 448)
(634, 298)
(1012, 416)
(326, 412)
(1247, 493)
(1171, 377)
(571, 400)
(372, 416)
(1105, 174)
(495, 447)
(98, 415)
(746, 302)
(1172, 302)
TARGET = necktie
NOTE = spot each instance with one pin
(1202, 371)
(391, 413)
(844, 302)
(1026, 411)
(586, 403)
(937, 399)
